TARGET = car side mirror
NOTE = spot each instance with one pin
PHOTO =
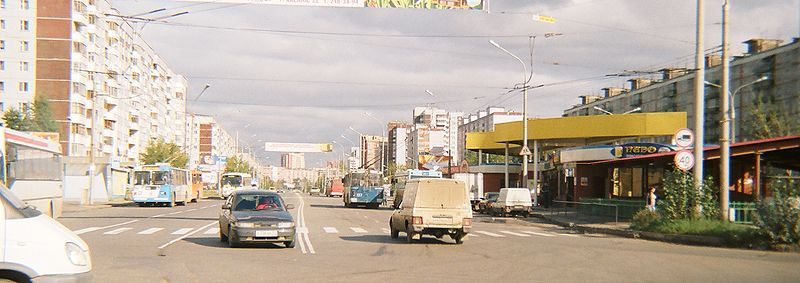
(289, 206)
(226, 206)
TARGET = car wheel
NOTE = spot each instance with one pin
(460, 237)
(222, 237)
(233, 240)
(289, 244)
(410, 234)
(394, 232)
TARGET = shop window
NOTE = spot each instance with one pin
(629, 182)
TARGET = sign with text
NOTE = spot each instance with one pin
(684, 160)
(637, 149)
(410, 4)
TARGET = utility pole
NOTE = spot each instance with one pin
(699, 103)
(724, 140)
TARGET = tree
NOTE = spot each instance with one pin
(766, 120)
(159, 151)
(680, 197)
(42, 120)
(778, 218)
(14, 119)
(237, 164)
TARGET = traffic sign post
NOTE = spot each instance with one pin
(684, 160)
(684, 138)
(525, 151)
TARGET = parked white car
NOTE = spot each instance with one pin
(512, 201)
(34, 247)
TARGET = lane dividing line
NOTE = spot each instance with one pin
(515, 234)
(304, 229)
(358, 229)
(162, 247)
(567, 235)
(331, 230)
(150, 231)
(490, 234)
(182, 231)
(538, 234)
(90, 229)
(117, 231)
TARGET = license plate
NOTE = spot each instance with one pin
(353, 199)
(519, 207)
(267, 233)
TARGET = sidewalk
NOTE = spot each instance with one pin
(69, 207)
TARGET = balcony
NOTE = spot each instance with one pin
(79, 139)
(107, 149)
(110, 133)
(77, 119)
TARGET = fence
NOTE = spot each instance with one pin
(742, 212)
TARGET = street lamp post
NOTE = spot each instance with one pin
(524, 120)
(383, 144)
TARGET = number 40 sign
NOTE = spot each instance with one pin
(684, 160)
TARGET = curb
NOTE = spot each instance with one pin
(74, 207)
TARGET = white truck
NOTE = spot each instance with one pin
(474, 184)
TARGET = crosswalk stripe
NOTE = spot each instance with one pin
(538, 234)
(490, 234)
(567, 235)
(515, 234)
(330, 230)
(386, 230)
(117, 231)
(474, 235)
(211, 231)
(358, 230)
(150, 231)
(182, 231)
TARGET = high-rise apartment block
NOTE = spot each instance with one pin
(293, 160)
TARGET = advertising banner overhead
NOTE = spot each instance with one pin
(411, 4)
(298, 147)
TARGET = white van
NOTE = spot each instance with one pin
(35, 247)
(512, 201)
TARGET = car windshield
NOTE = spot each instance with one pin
(492, 197)
(142, 178)
(257, 202)
(160, 177)
(233, 181)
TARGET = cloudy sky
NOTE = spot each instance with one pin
(306, 74)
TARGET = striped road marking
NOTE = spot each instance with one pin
(358, 230)
(117, 231)
(182, 231)
(386, 230)
(212, 231)
(150, 231)
(567, 235)
(330, 230)
(515, 234)
(538, 234)
(490, 234)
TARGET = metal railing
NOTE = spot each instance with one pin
(742, 212)
(564, 208)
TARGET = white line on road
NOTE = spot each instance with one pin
(538, 234)
(331, 230)
(91, 229)
(212, 231)
(567, 235)
(358, 229)
(386, 230)
(304, 236)
(117, 231)
(515, 234)
(181, 231)
(161, 248)
(193, 209)
(490, 234)
(150, 231)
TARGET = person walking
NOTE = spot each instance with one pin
(651, 199)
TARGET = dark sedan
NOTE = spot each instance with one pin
(256, 216)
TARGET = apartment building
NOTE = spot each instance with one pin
(107, 87)
(397, 143)
(483, 121)
(767, 73)
(371, 148)
(434, 136)
(209, 143)
(293, 160)
(17, 54)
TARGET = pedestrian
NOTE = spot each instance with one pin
(651, 199)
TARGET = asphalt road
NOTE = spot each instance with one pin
(353, 244)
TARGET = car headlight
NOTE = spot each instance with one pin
(245, 225)
(285, 224)
(76, 255)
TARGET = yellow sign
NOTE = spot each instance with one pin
(545, 19)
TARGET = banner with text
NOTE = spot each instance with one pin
(411, 4)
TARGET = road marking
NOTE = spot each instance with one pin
(150, 231)
(567, 235)
(473, 235)
(490, 234)
(211, 231)
(117, 231)
(181, 231)
(193, 209)
(358, 230)
(386, 230)
(515, 234)
(538, 234)
(91, 229)
(330, 230)
(302, 232)
(161, 248)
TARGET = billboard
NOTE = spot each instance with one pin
(432, 162)
(297, 147)
(411, 4)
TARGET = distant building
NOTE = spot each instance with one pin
(434, 137)
(371, 148)
(397, 147)
(483, 121)
(293, 160)
(209, 142)
(675, 89)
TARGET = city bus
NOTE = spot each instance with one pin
(161, 184)
(32, 168)
(232, 181)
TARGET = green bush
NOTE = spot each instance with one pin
(778, 218)
(645, 220)
(679, 198)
